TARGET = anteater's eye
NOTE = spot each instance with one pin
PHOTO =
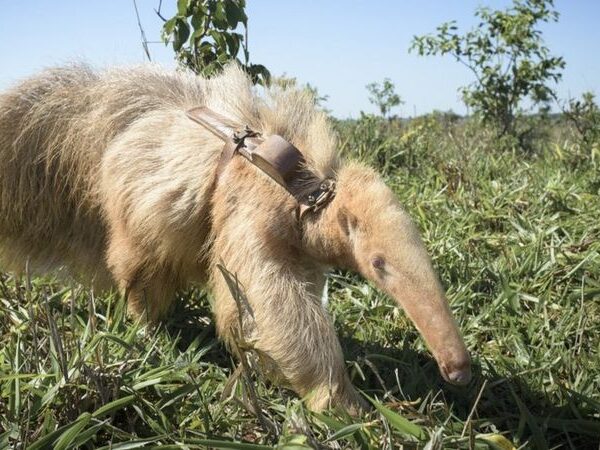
(378, 262)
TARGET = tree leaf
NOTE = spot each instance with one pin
(182, 32)
(235, 13)
(199, 21)
(182, 7)
(169, 26)
(233, 43)
(220, 17)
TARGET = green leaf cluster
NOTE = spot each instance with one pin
(205, 37)
(584, 114)
(507, 56)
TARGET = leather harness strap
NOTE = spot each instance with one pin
(274, 155)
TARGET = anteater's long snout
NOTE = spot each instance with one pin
(440, 331)
(433, 318)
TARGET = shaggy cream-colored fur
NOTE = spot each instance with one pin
(103, 174)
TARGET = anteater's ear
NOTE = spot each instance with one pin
(348, 221)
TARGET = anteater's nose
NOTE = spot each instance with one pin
(457, 372)
(460, 377)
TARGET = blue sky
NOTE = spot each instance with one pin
(337, 45)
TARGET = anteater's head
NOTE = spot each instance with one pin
(365, 229)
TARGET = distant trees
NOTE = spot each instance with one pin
(204, 36)
(384, 96)
(507, 56)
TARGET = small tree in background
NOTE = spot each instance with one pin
(507, 56)
(584, 114)
(205, 38)
(384, 96)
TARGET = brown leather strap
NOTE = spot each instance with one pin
(244, 147)
(216, 123)
(275, 156)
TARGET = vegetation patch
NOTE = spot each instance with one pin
(516, 241)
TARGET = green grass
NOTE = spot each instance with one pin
(516, 239)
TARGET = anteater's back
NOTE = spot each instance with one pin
(77, 146)
(54, 129)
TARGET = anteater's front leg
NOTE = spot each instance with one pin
(290, 329)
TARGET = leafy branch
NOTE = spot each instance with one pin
(507, 56)
(205, 37)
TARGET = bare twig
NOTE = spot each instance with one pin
(245, 45)
(157, 11)
(377, 375)
(468, 421)
(143, 35)
(243, 307)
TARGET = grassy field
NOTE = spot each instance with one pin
(516, 238)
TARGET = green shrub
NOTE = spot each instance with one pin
(507, 57)
(584, 114)
(204, 36)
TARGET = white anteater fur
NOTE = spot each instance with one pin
(103, 174)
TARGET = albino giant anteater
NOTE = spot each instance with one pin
(105, 175)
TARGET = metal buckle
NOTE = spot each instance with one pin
(239, 136)
(323, 195)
